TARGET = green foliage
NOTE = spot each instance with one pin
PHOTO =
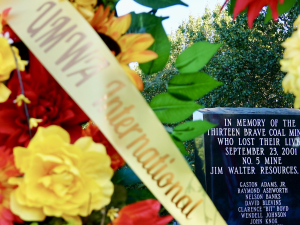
(191, 86)
(50, 221)
(177, 102)
(145, 22)
(196, 56)
(247, 63)
(138, 195)
(169, 109)
(156, 4)
(192, 129)
(128, 188)
(179, 145)
(125, 176)
(231, 6)
(199, 144)
(282, 8)
(183, 87)
(110, 3)
(119, 197)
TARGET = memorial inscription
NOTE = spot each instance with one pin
(252, 164)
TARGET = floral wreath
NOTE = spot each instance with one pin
(56, 165)
(42, 129)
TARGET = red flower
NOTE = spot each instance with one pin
(3, 16)
(254, 7)
(6, 28)
(7, 217)
(92, 131)
(49, 103)
(143, 212)
(7, 170)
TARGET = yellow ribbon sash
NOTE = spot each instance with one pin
(83, 65)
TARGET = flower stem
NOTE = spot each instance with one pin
(103, 211)
(22, 91)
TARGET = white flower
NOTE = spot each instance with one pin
(6, 35)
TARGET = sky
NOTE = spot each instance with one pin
(177, 13)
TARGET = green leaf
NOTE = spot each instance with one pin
(137, 195)
(147, 23)
(157, 4)
(111, 3)
(192, 129)
(172, 110)
(125, 176)
(282, 8)
(119, 196)
(196, 56)
(231, 8)
(191, 86)
(179, 145)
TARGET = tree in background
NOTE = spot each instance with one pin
(247, 63)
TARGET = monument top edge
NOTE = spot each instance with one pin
(242, 110)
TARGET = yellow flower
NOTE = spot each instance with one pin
(87, 2)
(104, 22)
(20, 99)
(134, 77)
(132, 47)
(7, 65)
(1, 26)
(291, 64)
(7, 61)
(102, 19)
(7, 170)
(4, 92)
(60, 179)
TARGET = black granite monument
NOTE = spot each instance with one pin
(249, 164)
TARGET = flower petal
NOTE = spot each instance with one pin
(53, 129)
(136, 42)
(4, 93)
(137, 56)
(87, 144)
(119, 26)
(26, 213)
(134, 77)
